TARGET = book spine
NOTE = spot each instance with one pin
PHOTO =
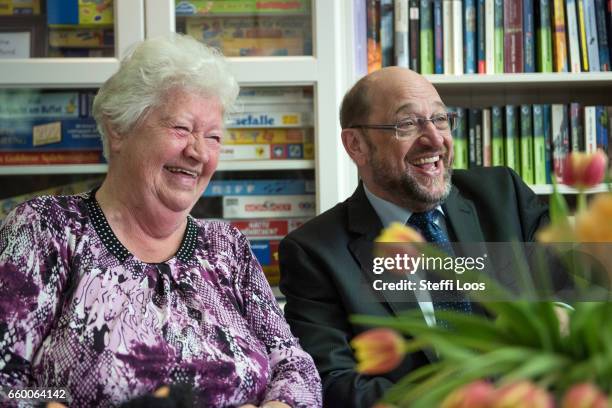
(497, 137)
(528, 37)
(548, 144)
(413, 32)
(469, 36)
(457, 8)
(590, 129)
(438, 37)
(265, 152)
(269, 120)
(539, 146)
(426, 41)
(512, 135)
(266, 252)
(270, 206)
(473, 115)
(460, 140)
(486, 137)
(218, 188)
(373, 33)
(602, 128)
(544, 37)
(261, 136)
(527, 144)
(573, 37)
(489, 35)
(360, 37)
(560, 138)
(447, 32)
(401, 33)
(12, 158)
(480, 38)
(267, 228)
(602, 35)
(591, 35)
(560, 42)
(499, 36)
(386, 32)
(576, 130)
(513, 36)
(582, 35)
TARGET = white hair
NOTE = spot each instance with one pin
(151, 69)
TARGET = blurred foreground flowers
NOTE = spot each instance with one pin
(524, 354)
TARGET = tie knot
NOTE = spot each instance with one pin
(421, 219)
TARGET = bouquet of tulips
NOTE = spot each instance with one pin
(529, 354)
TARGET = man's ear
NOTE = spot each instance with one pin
(355, 145)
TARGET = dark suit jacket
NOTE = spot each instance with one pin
(323, 265)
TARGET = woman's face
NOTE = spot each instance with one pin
(172, 154)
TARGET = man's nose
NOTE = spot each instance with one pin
(430, 135)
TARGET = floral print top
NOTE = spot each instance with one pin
(77, 310)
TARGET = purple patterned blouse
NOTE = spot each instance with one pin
(77, 310)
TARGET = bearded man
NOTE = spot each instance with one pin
(397, 130)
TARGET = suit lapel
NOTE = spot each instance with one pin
(364, 224)
(461, 215)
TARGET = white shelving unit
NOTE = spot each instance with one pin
(139, 19)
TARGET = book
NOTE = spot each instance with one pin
(560, 138)
(573, 37)
(590, 129)
(414, 33)
(218, 188)
(242, 7)
(438, 37)
(546, 113)
(490, 36)
(269, 206)
(426, 37)
(474, 141)
(269, 120)
(544, 40)
(539, 146)
(576, 129)
(582, 35)
(469, 37)
(79, 13)
(447, 34)
(270, 136)
(513, 36)
(498, 53)
(591, 35)
(373, 35)
(387, 32)
(266, 252)
(460, 148)
(486, 137)
(511, 146)
(360, 38)
(267, 228)
(602, 118)
(528, 37)
(497, 136)
(401, 33)
(18, 158)
(559, 42)
(480, 38)
(527, 155)
(49, 135)
(266, 152)
(602, 35)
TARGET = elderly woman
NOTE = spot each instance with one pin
(118, 291)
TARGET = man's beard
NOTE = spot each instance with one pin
(405, 187)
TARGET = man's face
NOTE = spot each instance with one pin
(412, 171)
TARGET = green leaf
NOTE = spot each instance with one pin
(558, 206)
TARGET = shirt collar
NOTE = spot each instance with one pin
(389, 212)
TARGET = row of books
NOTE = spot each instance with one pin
(534, 140)
(486, 36)
(242, 7)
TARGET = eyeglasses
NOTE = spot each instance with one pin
(411, 127)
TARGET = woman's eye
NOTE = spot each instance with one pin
(182, 129)
(216, 138)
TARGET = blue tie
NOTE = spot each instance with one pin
(425, 223)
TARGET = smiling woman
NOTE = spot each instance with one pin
(114, 293)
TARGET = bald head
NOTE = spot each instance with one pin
(373, 91)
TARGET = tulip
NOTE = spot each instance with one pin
(584, 396)
(522, 394)
(478, 394)
(595, 225)
(398, 232)
(378, 351)
(584, 170)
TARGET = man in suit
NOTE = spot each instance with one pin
(397, 130)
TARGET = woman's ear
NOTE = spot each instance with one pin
(355, 145)
(115, 140)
